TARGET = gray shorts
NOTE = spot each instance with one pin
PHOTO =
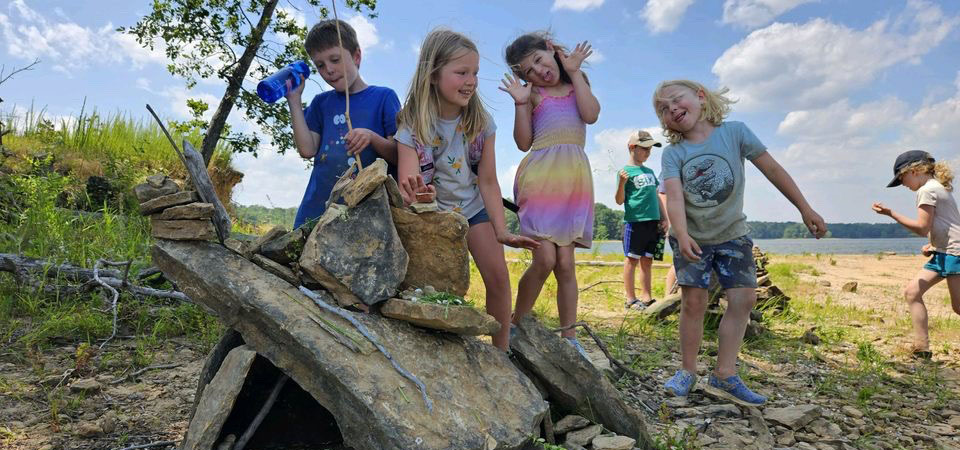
(732, 260)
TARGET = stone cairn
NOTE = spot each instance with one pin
(319, 306)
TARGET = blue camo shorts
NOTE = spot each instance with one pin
(943, 264)
(732, 260)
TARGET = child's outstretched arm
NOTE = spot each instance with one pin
(779, 177)
(522, 117)
(490, 193)
(920, 226)
(412, 188)
(306, 140)
(587, 103)
(678, 219)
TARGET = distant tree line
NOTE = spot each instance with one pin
(608, 225)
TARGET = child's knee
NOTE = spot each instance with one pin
(565, 267)
(911, 292)
(544, 265)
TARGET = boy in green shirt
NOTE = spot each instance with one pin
(645, 219)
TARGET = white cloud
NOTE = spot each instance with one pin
(576, 5)
(664, 15)
(66, 45)
(810, 65)
(596, 57)
(367, 35)
(608, 154)
(271, 179)
(177, 96)
(756, 13)
(936, 126)
(840, 120)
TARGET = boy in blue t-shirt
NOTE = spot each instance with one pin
(644, 219)
(321, 130)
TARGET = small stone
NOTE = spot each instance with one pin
(393, 192)
(85, 385)
(87, 430)
(810, 337)
(793, 417)
(462, 320)
(754, 329)
(276, 269)
(367, 180)
(850, 286)
(183, 230)
(584, 436)
(157, 180)
(237, 246)
(954, 421)
(108, 423)
(786, 439)
(825, 428)
(763, 280)
(570, 423)
(943, 429)
(676, 402)
(851, 412)
(153, 189)
(421, 208)
(168, 201)
(273, 233)
(721, 410)
(825, 283)
(188, 211)
(613, 443)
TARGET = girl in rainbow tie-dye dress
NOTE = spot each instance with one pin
(553, 187)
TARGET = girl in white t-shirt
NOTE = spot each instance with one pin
(938, 218)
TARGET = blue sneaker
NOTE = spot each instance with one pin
(513, 332)
(576, 344)
(734, 390)
(681, 383)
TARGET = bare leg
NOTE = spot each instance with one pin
(488, 256)
(566, 274)
(913, 293)
(646, 274)
(629, 269)
(670, 281)
(740, 301)
(544, 260)
(953, 284)
(693, 304)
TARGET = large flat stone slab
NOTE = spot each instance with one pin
(477, 393)
(454, 319)
(217, 399)
(183, 230)
(167, 201)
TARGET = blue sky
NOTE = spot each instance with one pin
(835, 88)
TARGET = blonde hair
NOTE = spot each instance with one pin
(940, 171)
(716, 105)
(422, 106)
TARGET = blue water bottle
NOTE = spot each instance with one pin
(274, 87)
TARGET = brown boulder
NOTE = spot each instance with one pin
(454, 319)
(437, 245)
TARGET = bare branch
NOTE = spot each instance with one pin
(17, 70)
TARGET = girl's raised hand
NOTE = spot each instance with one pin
(519, 91)
(572, 62)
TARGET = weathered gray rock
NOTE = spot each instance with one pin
(187, 212)
(850, 286)
(167, 201)
(393, 192)
(217, 400)
(279, 270)
(454, 319)
(239, 247)
(287, 248)
(811, 338)
(367, 180)
(720, 410)
(613, 443)
(87, 385)
(569, 423)
(359, 248)
(792, 417)
(183, 230)
(156, 186)
(583, 437)
(572, 383)
(437, 245)
(664, 307)
(271, 234)
(476, 389)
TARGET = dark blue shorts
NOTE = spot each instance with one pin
(943, 264)
(479, 217)
(643, 240)
(732, 260)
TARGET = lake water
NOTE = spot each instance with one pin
(902, 246)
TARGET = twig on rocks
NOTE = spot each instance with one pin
(143, 370)
(242, 442)
(603, 348)
(152, 444)
(366, 333)
(599, 283)
(116, 295)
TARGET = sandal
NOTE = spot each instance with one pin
(635, 304)
(926, 355)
